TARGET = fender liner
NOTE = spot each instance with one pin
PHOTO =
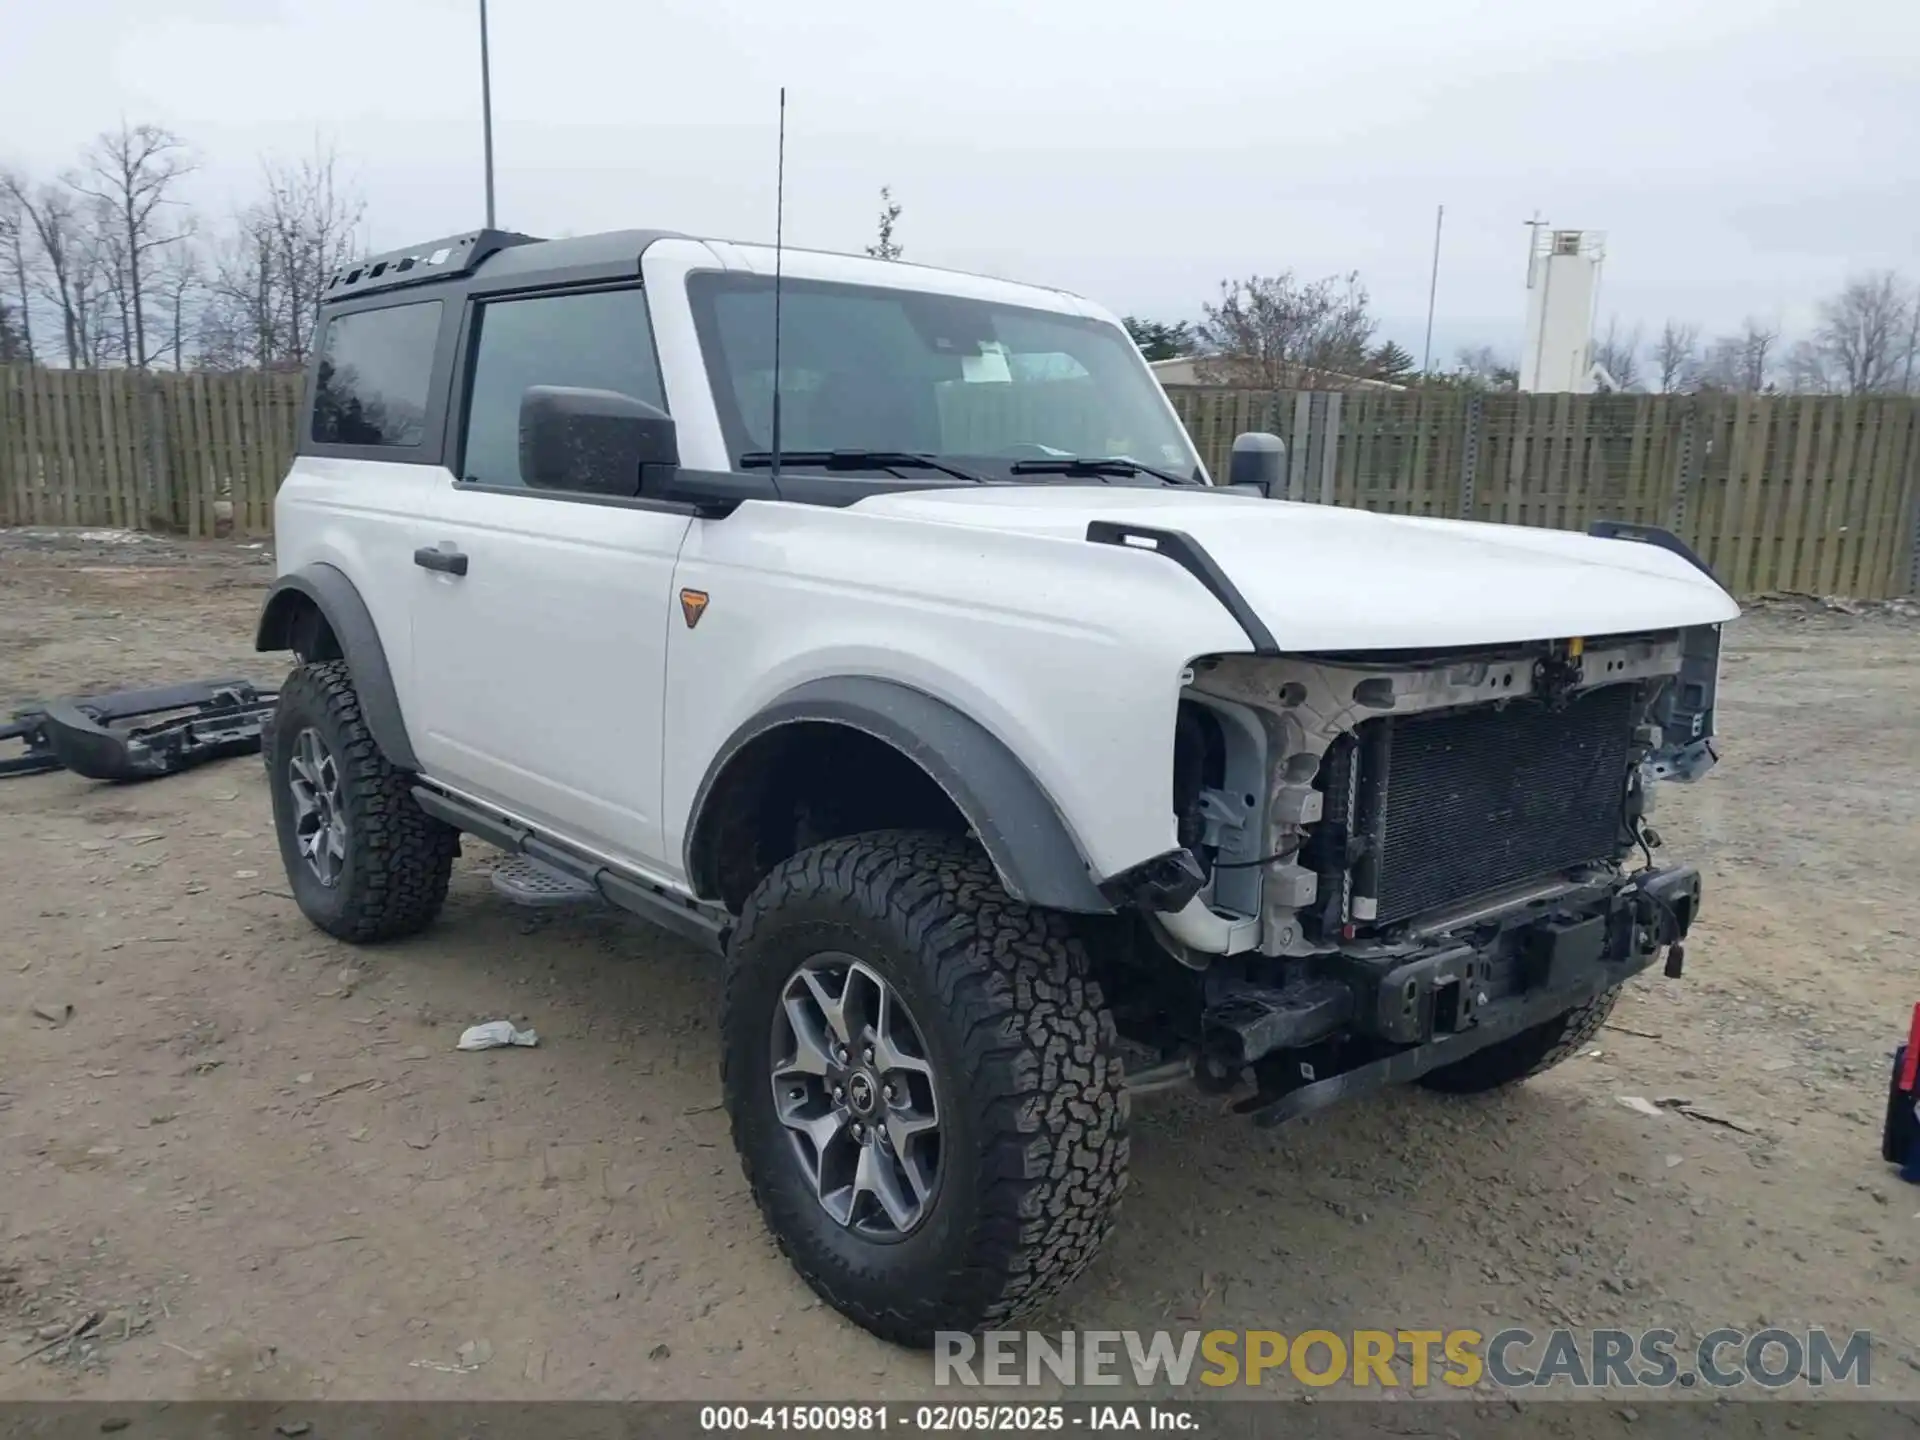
(1018, 825)
(346, 614)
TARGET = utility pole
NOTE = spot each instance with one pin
(486, 108)
(1433, 289)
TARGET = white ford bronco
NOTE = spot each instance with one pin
(880, 628)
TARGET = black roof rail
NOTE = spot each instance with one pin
(416, 264)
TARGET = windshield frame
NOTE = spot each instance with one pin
(703, 284)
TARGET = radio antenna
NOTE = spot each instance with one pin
(779, 238)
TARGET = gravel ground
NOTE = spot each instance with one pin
(256, 1156)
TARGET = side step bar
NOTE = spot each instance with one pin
(537, 885)
(705, 925)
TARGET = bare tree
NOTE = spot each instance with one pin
(1757, 344)
(14, 257)
(1806, 369)
(239, 322)
(1913, 346)
(1481, 367)
(1742, 361)
(1618, 353)
(885, 247)
(64, 273)
(116, 339)
(1676, 355)
(315, 223)
(1275, 332)
(1865, 335)
(264, 285)
(177, 284)
(88, 287)
(132, 172)
(13, 349)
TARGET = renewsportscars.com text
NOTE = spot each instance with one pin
(1513, 1358)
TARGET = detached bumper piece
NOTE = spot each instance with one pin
(1900, 1140)
(139, 734)
(1345, 1024)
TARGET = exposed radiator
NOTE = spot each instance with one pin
(1464, 802)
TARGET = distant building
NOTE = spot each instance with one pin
(1563, 286)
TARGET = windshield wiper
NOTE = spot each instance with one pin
(1094, 465)
(855, 460)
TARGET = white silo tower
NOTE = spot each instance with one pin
(1563, 283)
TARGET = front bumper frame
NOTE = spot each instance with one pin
(1433, 1009)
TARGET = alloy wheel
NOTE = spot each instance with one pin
(319, 816)
(853, 1085)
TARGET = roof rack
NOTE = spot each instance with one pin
(416, 264)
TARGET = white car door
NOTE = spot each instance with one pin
(540, 616)
(369, 464)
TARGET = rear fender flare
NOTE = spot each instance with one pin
(327, 590)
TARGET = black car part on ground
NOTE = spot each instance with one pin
(139, 734)
(29, 726)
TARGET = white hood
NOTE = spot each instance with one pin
(1328, 578)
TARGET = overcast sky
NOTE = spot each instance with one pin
(1742, 156)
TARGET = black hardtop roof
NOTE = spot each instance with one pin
(498, 258)
(505, 260)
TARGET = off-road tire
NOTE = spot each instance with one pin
(399, 858)
(1531, 1051)
(1034, 1106)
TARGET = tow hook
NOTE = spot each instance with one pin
(1660, 909)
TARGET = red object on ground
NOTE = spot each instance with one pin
(1910, 1071)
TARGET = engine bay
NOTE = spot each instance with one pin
(1375, 801)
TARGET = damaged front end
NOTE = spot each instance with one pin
(1404, 858)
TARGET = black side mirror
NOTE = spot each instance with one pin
(597, 442)
(1259, 462)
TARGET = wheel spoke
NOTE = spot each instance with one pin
(833, 1008)
(888, 1056)
(876, 1176)
(809, 1041)
(821, 1130)
(919, 1176)
(903, 1126)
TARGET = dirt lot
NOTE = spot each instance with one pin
(257, 1155)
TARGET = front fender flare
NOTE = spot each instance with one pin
(328, 590)
(1017, 823)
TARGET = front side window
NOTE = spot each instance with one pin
(376, 375)
(596, 340)
(869, 368)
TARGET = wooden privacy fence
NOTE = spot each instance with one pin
(1777, 492)
(196, 454)
(1809, 493)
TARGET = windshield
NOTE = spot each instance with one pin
(909, 372)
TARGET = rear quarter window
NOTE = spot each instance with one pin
(375, 376)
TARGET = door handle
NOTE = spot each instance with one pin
(447, 562)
